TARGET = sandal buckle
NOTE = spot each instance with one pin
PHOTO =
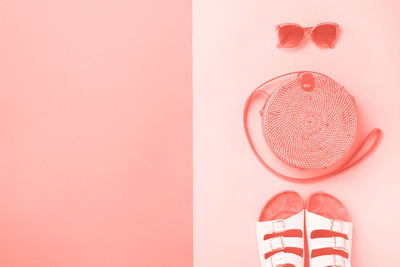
(338, 261)
(279, 226)
(339, 243)
(278, 259)
(277, 243)
(337, 226)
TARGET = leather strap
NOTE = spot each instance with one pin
(354, 158)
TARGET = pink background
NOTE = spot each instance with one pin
(95, 158)
(234, 52)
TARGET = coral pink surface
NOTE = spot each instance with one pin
(95, 113)
(234, 52)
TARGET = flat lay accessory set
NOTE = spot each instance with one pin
(309, 122)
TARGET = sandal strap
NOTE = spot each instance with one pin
(330, 260)
(282, 258)
(317, 222)
(330, 242)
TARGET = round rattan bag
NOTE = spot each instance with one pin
(309, 121)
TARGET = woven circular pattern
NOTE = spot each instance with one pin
(310, 128)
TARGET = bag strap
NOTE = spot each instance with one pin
(358, 155)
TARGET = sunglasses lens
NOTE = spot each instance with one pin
(290, 35)
(325, 35)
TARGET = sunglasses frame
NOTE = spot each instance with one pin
(309, 31)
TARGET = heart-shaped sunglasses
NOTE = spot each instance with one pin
(323, 34)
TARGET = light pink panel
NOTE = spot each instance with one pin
(234, 52)
(95, 112)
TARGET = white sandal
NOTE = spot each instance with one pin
(329, 232)
(280, 231)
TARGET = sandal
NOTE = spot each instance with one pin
(329, 231)
(280, 231)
